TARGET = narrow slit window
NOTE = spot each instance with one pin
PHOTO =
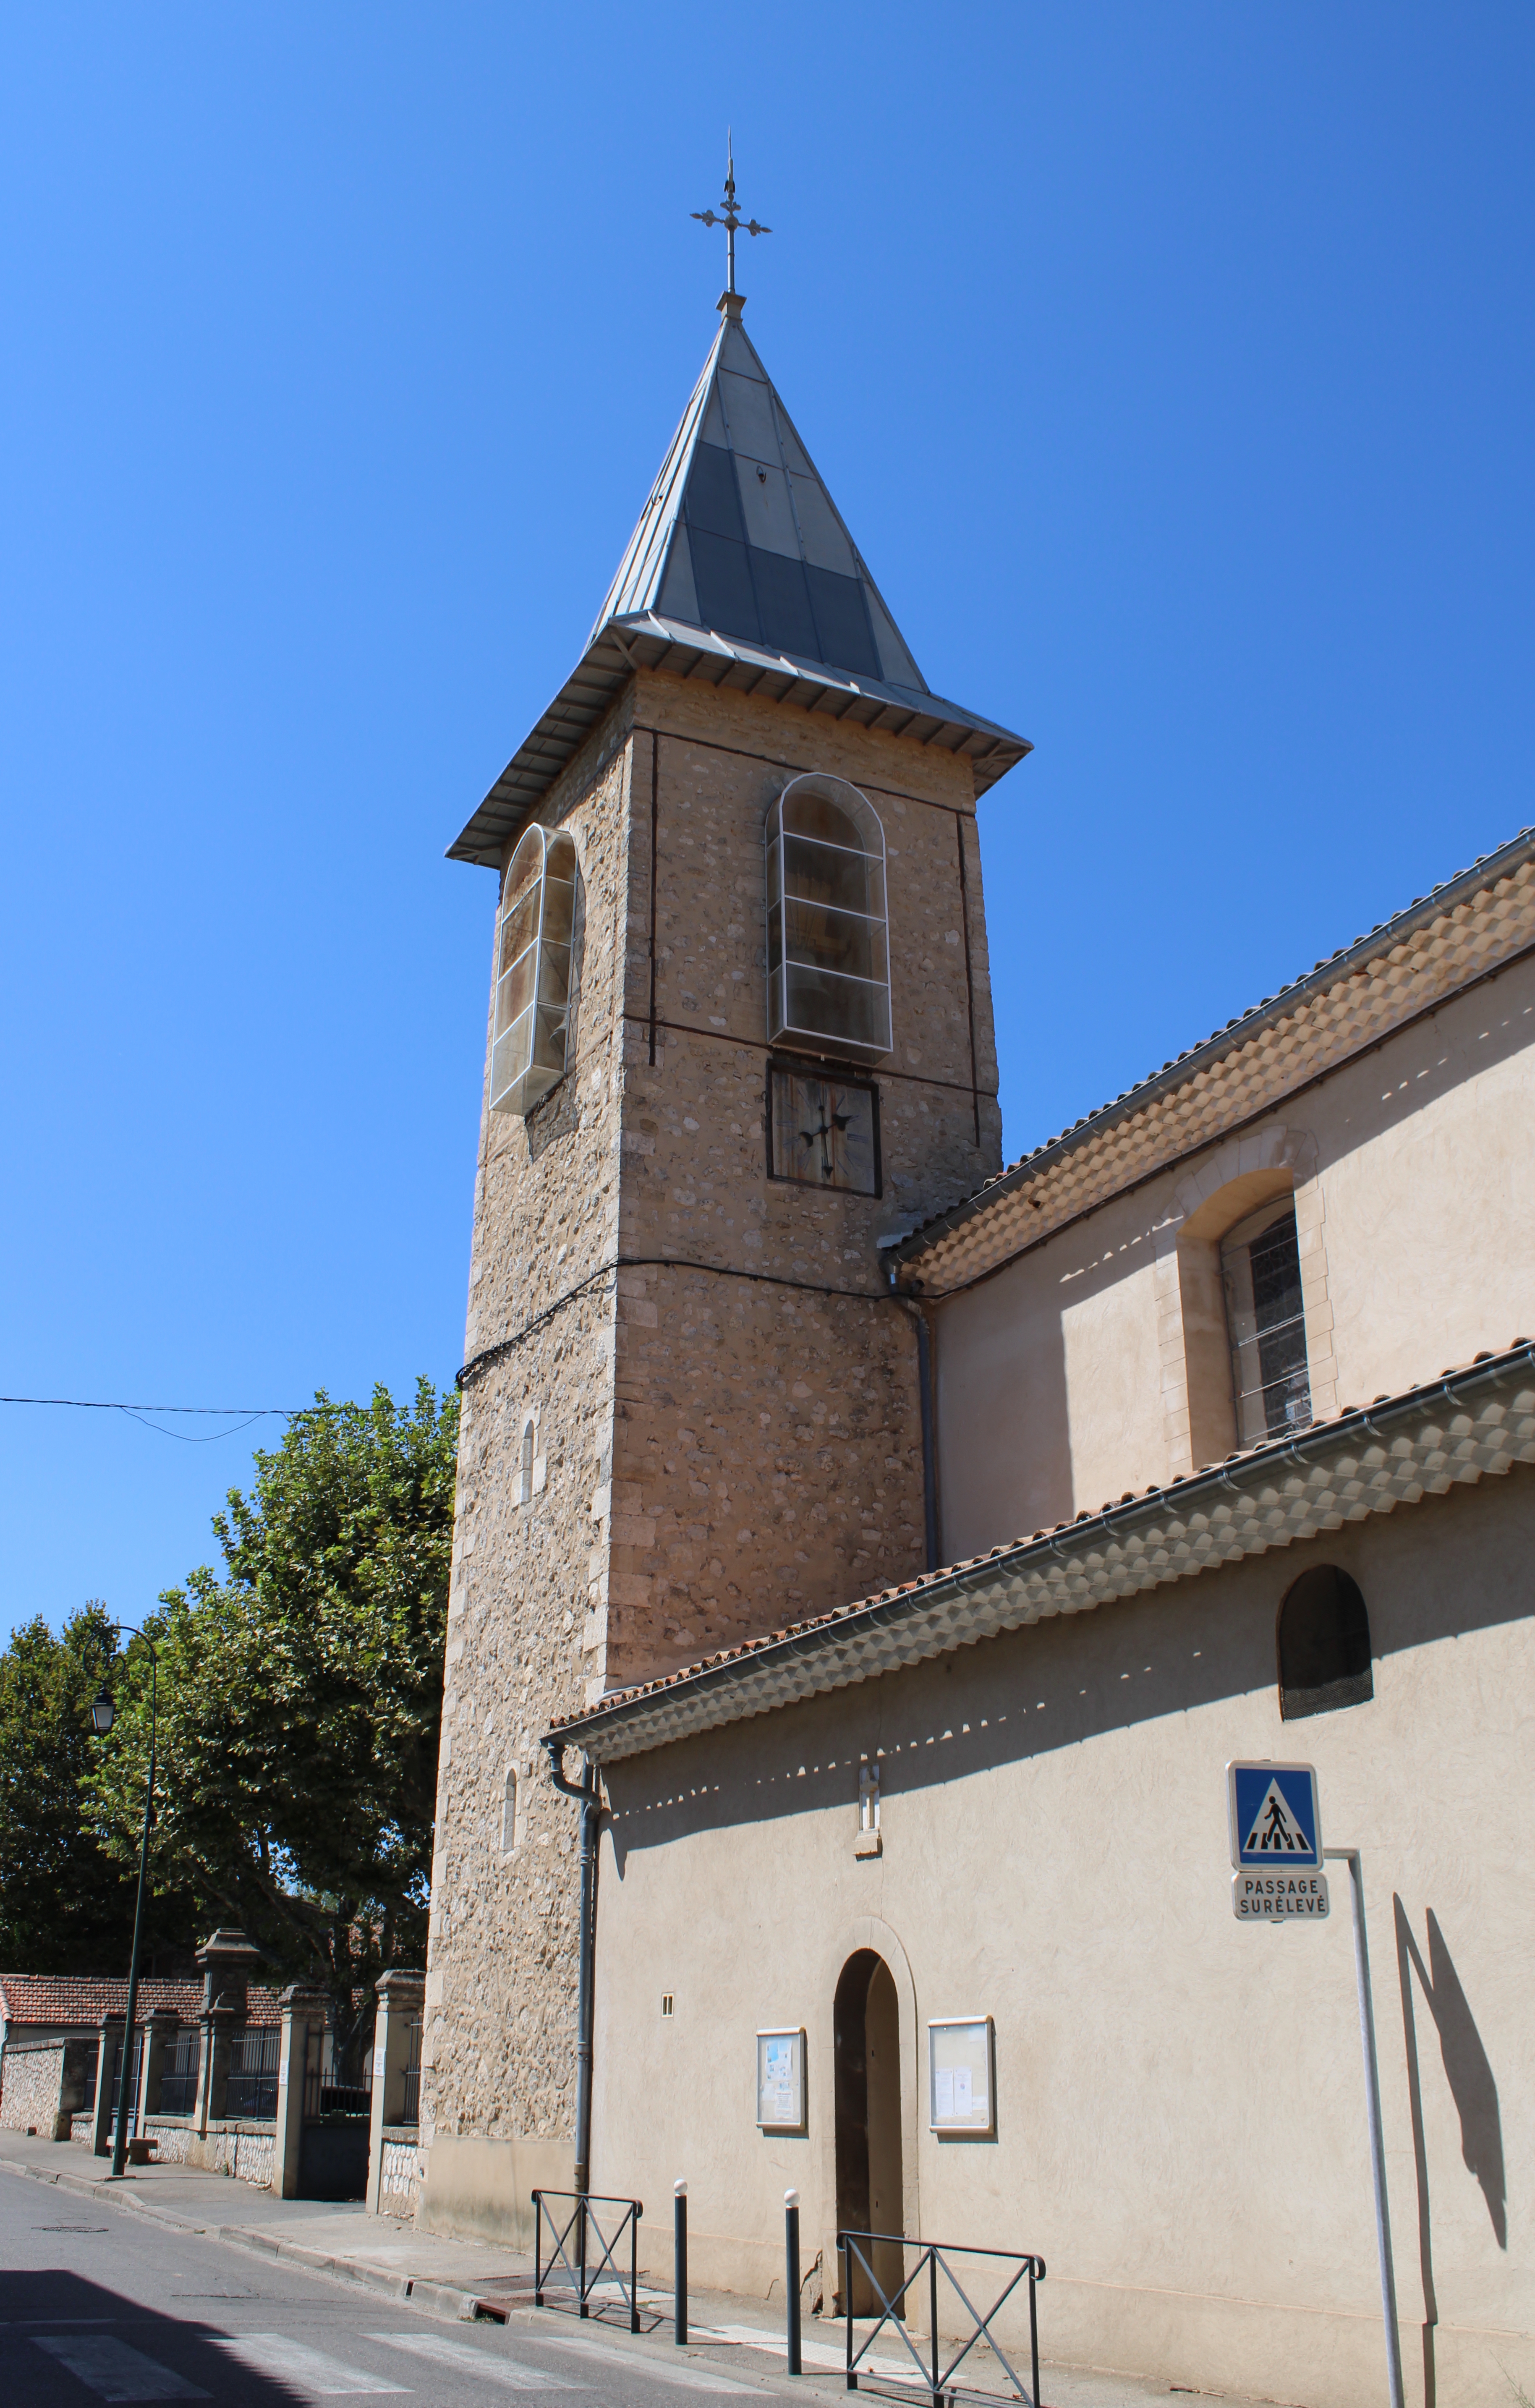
(828, 948)
(533, 971)
(525, 1466)
(1260, 1270)
(1325, 1655)
(508, 1815)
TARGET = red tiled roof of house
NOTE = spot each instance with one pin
(82, 1999)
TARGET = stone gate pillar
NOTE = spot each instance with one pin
(101, 2127)
(301, 2008)
(226, 1959)
(213, 2065)
(400, 1997)
(160, 2025)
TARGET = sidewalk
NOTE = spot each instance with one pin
(470, 2280)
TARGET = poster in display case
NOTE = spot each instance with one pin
(781, 2081)
(962, 2075)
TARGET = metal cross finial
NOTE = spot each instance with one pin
(730, 217)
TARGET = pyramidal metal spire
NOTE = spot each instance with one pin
(740, 537)
(741, 572)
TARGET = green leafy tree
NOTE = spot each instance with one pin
(301, 1697)
(66, 1900)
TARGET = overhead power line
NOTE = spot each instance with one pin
(240, 1415)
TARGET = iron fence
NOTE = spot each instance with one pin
(410, 2105)
(179, 2073)
(314, 2053)
(114, 2076)
(578, 2275)
(253, 2059)
(345, 2099)
(935, 2380)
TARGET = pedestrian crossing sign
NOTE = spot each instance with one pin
(1276, 1822)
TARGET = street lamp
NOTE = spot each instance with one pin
(103, 1714)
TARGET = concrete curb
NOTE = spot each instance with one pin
(436, 2297)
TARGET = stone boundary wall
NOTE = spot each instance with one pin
(241, 2150)
(397, 2190)
(42, 2085)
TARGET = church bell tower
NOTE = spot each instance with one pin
(740, 1033)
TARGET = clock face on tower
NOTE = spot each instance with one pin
(823, 1132)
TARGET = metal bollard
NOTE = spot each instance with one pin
(678, 2260)
(791, 2266)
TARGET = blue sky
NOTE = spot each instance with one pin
(1172, 366)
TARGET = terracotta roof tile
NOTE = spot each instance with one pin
(71, 1999)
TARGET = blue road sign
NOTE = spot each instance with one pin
(1276, 1819)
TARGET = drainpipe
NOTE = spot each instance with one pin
(929, 1463)
(585, 1794)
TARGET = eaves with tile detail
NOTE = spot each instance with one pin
(1469, 1425)
(1470, 927)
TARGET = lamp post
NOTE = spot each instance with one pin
(103, 1714)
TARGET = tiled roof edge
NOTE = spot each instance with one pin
(1236, 1472)
(610, 659)
(1185, 1066)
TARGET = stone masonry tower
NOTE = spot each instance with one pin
(740, 1032)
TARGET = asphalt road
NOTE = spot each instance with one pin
(100, 2306)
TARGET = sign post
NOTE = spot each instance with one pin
(1276, 1848)
(1377, 2137)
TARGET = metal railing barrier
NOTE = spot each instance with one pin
(935, 2381)
(596, 2223)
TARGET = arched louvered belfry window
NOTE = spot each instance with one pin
(533, 971)
(1324, 1645)
(828, 951)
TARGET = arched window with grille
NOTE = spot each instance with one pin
(1324, 1645)
(828, 951)
(533, 971)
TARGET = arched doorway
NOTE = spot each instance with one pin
(866, 2054)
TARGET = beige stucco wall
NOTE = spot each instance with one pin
(1181, 2116)
(1061, 1378)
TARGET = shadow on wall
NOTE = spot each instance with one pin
(1472, 2088)
(1003, 1413)
(1466, 2070)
